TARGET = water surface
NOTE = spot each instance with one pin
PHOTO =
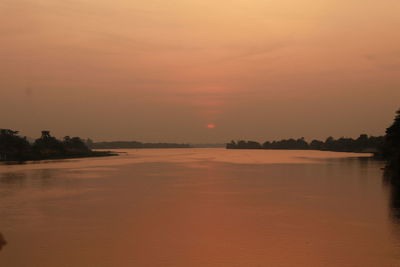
(200, 207)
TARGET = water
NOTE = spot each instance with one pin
(200, 207)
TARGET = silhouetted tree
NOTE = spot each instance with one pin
(13, 146)
(301, 144)
(74, 145)
(253, 145)
(3, 242)
(317, 145)
(266, 145)
(231, 145)
(48, 145)
(391, 147)
(242, 144)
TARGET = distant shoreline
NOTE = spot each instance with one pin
(362, 144)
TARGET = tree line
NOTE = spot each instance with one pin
(385, 147)
(391, 148)
(14, 147)
(363, 143)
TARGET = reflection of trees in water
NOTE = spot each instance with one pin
(20, 177)
(45, 177)
(3, 242)
(45, 174)
(12, 177)
(392, 180)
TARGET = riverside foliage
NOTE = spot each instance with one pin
(385, 147)
(391, 146)
(17, 148)
(363, 143)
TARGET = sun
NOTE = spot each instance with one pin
(211, 126)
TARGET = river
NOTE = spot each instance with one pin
(200, 207)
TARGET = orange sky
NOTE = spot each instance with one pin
(163, 70)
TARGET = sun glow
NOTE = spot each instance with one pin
(211, 126)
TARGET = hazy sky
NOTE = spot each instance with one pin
(159, 70)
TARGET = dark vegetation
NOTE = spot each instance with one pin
(363, 143)
(132, 144)
(3, 242)
(17, 148)
(384, 147)
(391, 153)
(391, 147)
